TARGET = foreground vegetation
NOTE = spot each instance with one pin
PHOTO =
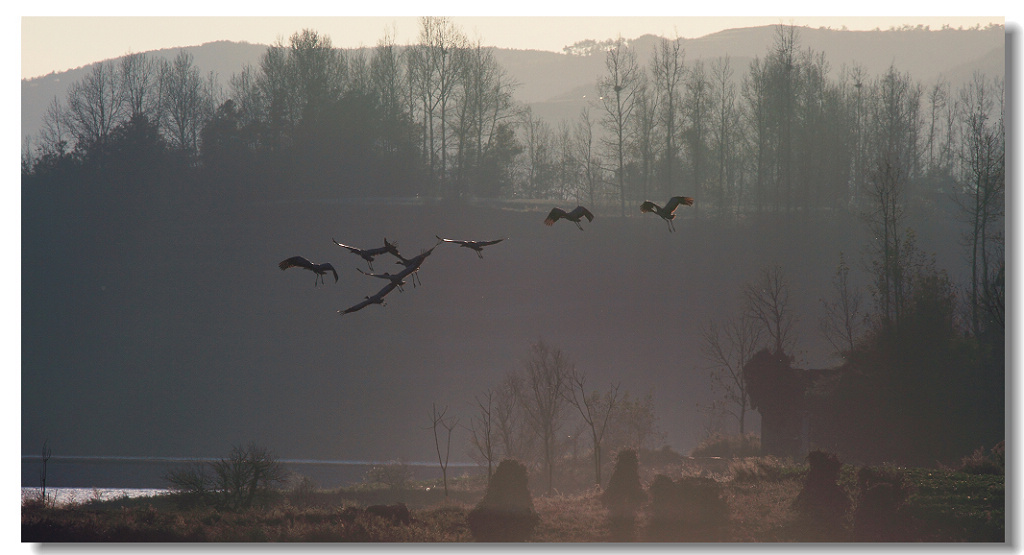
(753, 500)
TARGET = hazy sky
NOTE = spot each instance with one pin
(73, 39)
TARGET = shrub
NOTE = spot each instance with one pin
(397, 514)
(822, 501)
(691, 509)
(505, 514)
(880, 514)
(734, 446)
(394, 474)
(981, 463)
(624, 494)
(757, 469)
(244, 478)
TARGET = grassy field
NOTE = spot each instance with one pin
(940, 506)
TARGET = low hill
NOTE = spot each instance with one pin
(550, 82)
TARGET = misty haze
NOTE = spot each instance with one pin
(793, 243)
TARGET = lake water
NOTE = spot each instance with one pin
(147, 473)
(65, 496)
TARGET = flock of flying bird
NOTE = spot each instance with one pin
(411, 266)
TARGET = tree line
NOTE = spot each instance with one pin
(438, 118)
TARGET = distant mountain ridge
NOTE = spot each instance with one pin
(554, 83)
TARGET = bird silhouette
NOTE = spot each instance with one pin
(376, 298)
(478, 246)
(669, 211)
(318, 269)
(398, 279)
(369, 254)
(412, 265)
(574, 216)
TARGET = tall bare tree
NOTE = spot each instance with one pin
(586, 157)
(139, 74)
(483, 430)
(537, 166)
(842, 321)
(95, 105)
(511, 429)
(596, 409)
(982, 186)
(767, 303)
(758, 139)
(543, 393)
(784, 75)
(728, 347)
(644, 143)
(188, 103)
(724, 134)
(893, 128)
(55, 136)
(618, 92)
(698, 120)
(440, 418)
(668, 67)
(441, 45)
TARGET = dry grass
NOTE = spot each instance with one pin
(945, 506)
(571, 518)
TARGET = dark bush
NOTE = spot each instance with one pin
(691, 509)
(505, 514)
(822, 501)
(985, 463)
(624, 494)
(396, 514)
(880, 515)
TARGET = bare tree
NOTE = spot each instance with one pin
(95, 105)
(634, 424)
(483, 430)
(484, 109)
(55, 136)
(596, 409)
(728, 348)
(886, 218)
(543, 392)
(188, 103)
(386, 78)
(669, 70)
(589, 164)
(45, 458)
(759, 140)
(643, 135)
(139, 75)
(441, 42)
(246, 476)
(724, 133)
(783, 72)
(538, 164)
(509, 418)
(438, 418)
(618, 90)
(983, 182)
(698, 118)
(842, 322)
(938, 99)
(767, 303)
